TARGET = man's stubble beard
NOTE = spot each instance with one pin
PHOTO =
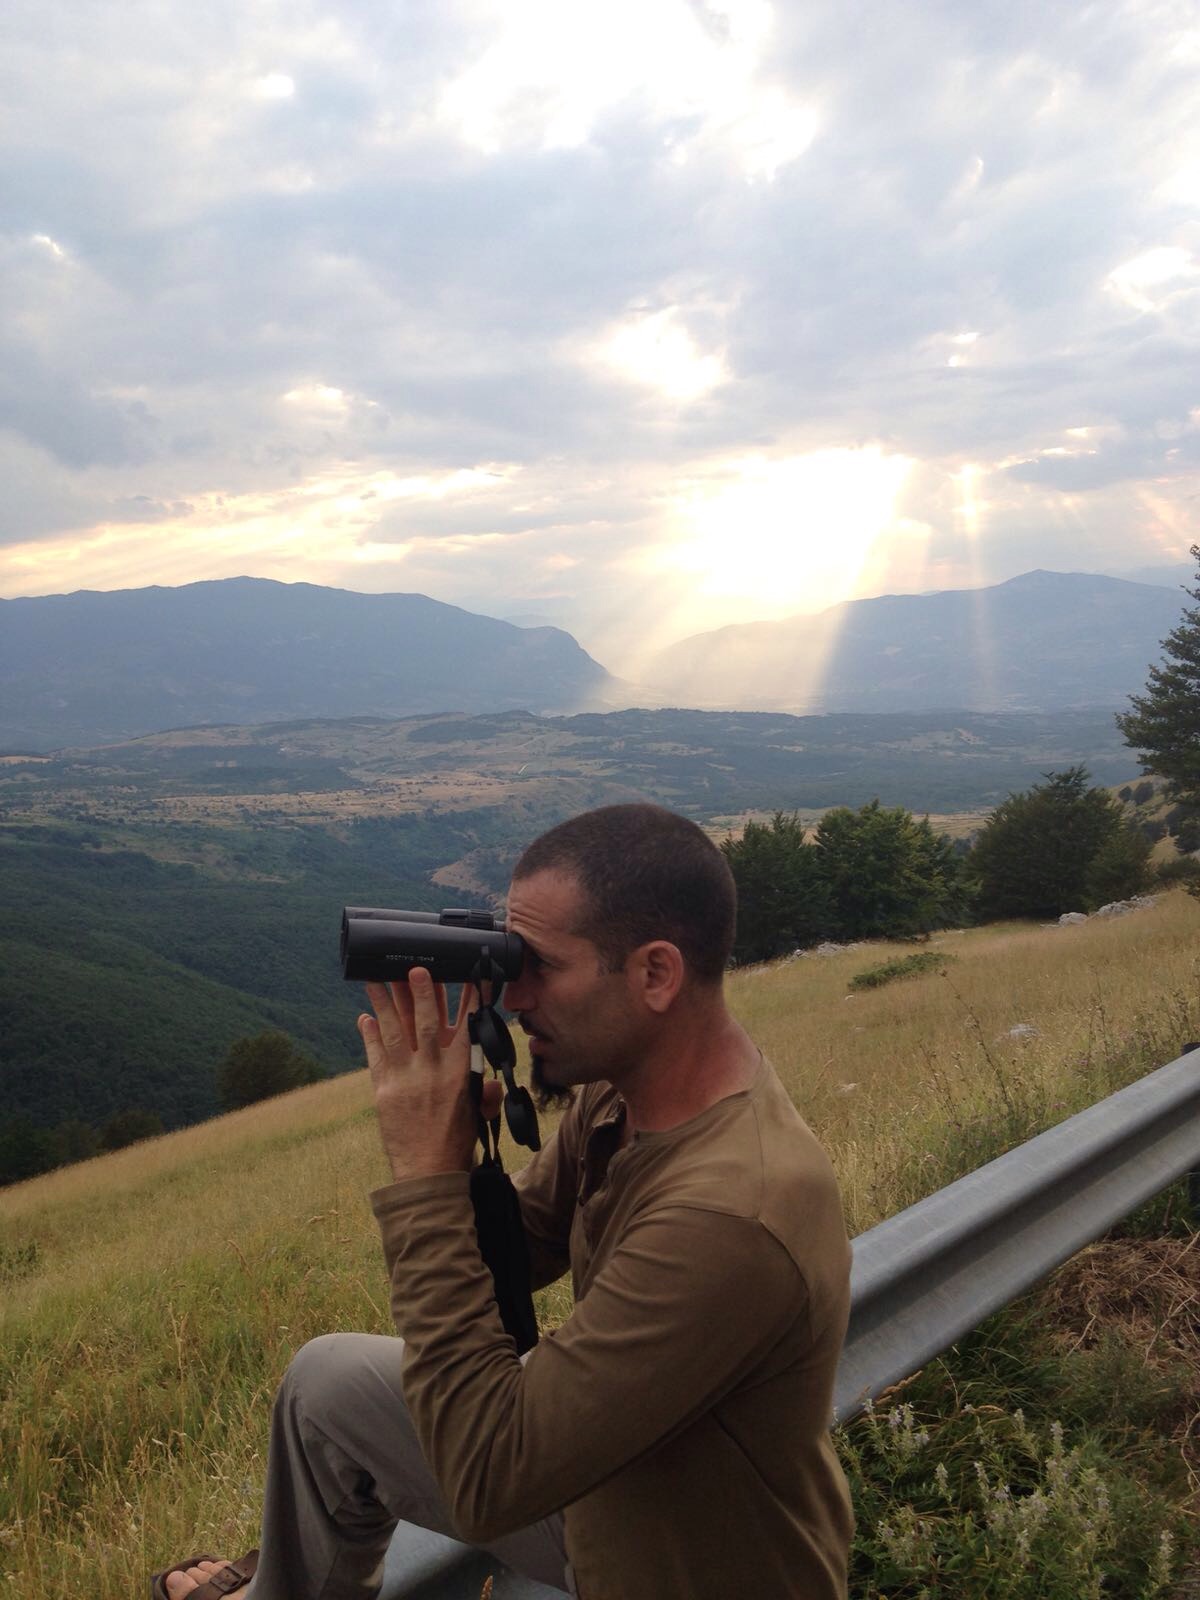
(547, 1095)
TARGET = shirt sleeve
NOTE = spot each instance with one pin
(695, 1297)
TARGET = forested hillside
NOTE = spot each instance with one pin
(128, 977)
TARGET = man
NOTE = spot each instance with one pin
(671, 1438)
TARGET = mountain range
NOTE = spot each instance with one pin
(90, 668)
(1044, 641)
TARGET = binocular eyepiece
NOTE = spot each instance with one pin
(454, 946)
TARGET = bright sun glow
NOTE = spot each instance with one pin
(656, 350)
(274, 86)
(51, 246)
(316, 397)
(792, 534)
(553, 70)
(318, 531)
(1150, 280)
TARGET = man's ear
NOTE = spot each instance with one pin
(658, 971)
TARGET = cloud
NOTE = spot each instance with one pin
(272, 259)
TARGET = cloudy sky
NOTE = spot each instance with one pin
(639, 316)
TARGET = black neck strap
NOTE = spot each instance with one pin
(492, 1042)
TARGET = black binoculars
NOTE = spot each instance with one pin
(454, 946)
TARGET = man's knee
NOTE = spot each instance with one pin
(337, 1370)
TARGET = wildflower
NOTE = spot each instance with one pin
(1162, 1568)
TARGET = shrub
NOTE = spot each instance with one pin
(1183, 870)
(270, 1063)
(903, 967)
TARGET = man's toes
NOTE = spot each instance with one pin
(180, 1584)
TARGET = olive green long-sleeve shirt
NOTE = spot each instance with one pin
(680, 1415)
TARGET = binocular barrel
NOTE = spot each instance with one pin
(454, 946)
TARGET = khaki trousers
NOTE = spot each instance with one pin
(345, 1466)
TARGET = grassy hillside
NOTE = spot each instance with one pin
(151, 1299)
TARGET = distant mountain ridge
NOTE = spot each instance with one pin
(1043, 641)
(95, 667)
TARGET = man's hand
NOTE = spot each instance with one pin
(419, 1063)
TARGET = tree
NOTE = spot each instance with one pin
(781, 899)
(128, 1127)
(1061, 846)
(25, 1149)
(886, 875)
(1119, 868)
(267, 1064)
(75, 1140)
(1164, 722)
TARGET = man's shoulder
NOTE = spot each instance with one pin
(752, 1156)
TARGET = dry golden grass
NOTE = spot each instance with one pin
(1148, 1290)
(885, 1075)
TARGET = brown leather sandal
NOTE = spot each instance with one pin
(228, 1579)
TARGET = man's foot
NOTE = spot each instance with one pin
(181, 1584)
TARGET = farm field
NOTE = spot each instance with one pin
(152, 1298)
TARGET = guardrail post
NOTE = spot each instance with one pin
(1193, 1177)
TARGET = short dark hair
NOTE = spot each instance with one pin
(647, 874)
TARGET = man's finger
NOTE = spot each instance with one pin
(368, 1030)
(492, 1098)
(395, 1029)
(427, 1015)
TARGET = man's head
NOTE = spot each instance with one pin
(623, 911)
(645, 874)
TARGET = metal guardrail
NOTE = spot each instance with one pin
(926, 1276)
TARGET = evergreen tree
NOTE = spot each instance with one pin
(781, 899)
(270, 1063)
(1060, 846)
(1164, 722)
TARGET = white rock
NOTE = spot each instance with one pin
(1024, 1030)
(1070, 918)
